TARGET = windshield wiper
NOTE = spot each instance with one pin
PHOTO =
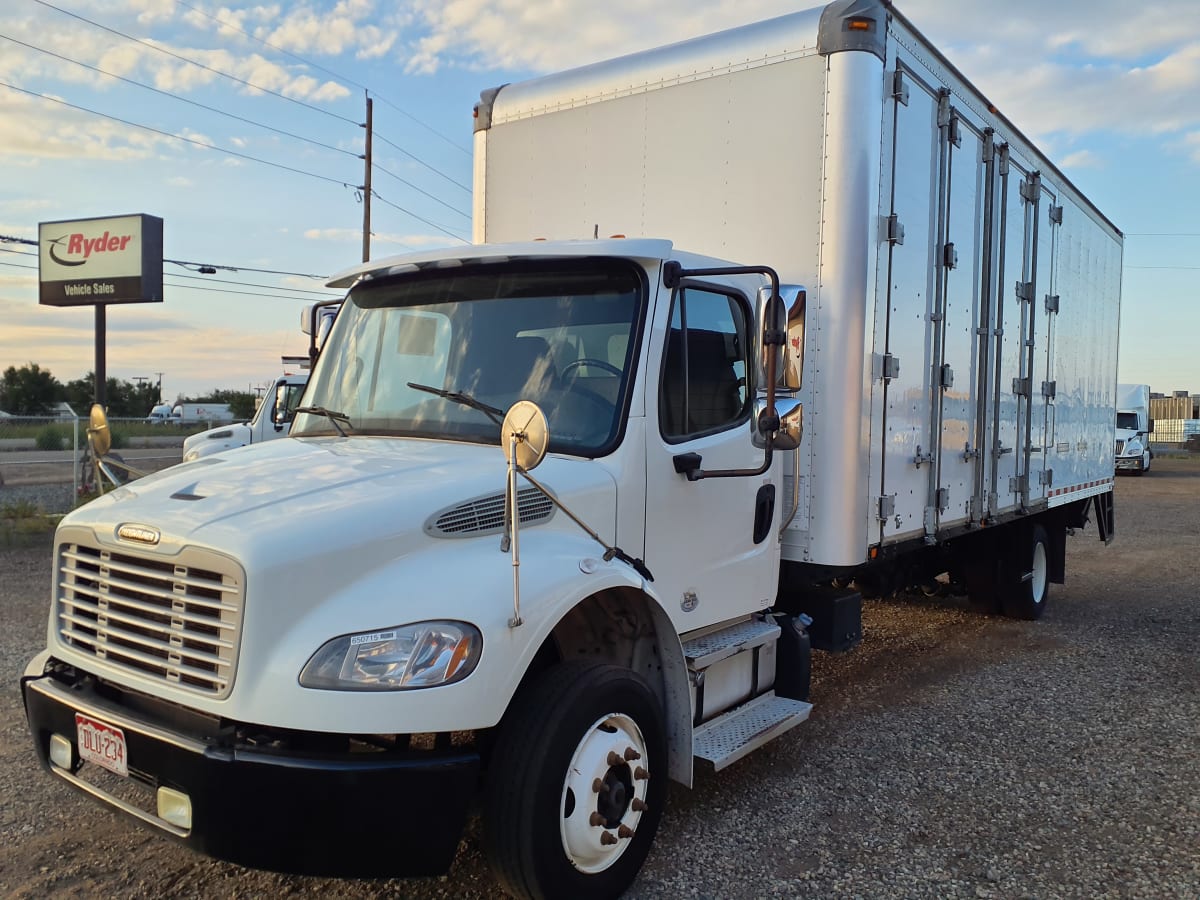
(496, 415)
(335, 417)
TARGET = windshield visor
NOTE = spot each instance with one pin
(561, 333)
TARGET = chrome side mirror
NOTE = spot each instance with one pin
(789, 365)
(791, 423)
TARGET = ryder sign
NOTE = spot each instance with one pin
(89, 261)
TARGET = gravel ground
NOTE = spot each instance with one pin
(950, 755)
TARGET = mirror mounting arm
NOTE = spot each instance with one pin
(674, 275)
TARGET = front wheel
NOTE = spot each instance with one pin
(576, 784)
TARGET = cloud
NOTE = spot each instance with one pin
(1082, 159)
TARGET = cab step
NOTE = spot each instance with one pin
(732, 735)
(703, 652)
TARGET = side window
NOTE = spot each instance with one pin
(704, 385)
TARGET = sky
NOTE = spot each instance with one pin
(240, 125)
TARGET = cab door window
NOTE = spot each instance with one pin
(704, 388)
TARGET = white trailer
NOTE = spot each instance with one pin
(1134, 427)
(320, 673)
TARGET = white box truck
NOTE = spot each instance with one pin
(271, 420)
(322, 673)
(1134, 427)
(194, 413)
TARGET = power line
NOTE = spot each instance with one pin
(176, 137)
(337, 75)
(193, 62)
(183, 99)
(420, 191)
(439, 172)
(409, 212)
(267, 287)
(200, 266)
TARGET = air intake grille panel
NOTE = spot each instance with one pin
(177, 620)
(485, 515)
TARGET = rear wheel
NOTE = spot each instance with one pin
(1025, 579)
(576, 784)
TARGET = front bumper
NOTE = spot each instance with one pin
(370, 814)
(1136, 463)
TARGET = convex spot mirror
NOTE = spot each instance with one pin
(526, 421)
(789, 364)
(98, 433)
(791, 423)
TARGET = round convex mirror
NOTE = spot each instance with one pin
(527, 422)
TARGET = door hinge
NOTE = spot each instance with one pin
(921, 458)
(1031, 187)
(1021, 387)
(944, 107)
(943, 499)
(895, 230)
(1046, 477)
(1018, 484)
(1025, 291)
(949, 255)
(891, 367)
(1052, 303)
(968, 453)
(1056, 213)
(954, 133)
(1004, 160)
(1049, 389)
(887, 506)
(946, 376)
(899, 88)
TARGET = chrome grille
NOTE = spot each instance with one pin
(1120, 447)
(176, 620)
(485, 515)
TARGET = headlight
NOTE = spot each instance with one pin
(423, 654)
(1133, 448)
(191, 455)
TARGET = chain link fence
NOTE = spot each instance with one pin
(43, 465)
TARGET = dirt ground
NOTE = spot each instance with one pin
(950, 755)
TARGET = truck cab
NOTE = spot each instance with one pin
(1134, 427)
(268, 684)
(271, 420)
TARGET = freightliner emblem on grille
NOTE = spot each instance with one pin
(138, 533)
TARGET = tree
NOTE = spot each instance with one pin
(123, 399)
(241, 403)
(29, 390)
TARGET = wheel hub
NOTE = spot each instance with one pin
(604, 793)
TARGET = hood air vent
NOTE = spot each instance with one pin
(485, 515)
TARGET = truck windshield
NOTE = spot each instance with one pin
(1127, 420)
(561, 333)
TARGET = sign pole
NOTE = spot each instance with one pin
(101, 374)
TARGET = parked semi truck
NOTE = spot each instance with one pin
(1134, 427)
(876, 345)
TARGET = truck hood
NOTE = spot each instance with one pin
(304, 498)
(225, 437)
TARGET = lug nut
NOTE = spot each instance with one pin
(625, 832)
(607, 839)
(638, 805)
(614, 758)
(631, 754)
(640, 774)
(596, 819)
(599, 787)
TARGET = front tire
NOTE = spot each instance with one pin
(576, 784)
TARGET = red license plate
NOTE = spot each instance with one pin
(101, 744)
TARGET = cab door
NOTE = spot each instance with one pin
(712, 543)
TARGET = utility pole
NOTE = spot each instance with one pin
(366, 254)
